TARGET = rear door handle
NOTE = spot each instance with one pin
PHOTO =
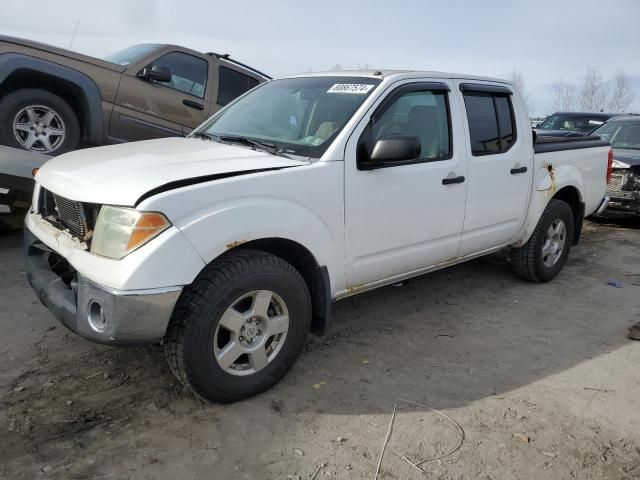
(196, 105)
(452, 180)
(515, 171)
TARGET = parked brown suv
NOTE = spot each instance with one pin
(52, 100)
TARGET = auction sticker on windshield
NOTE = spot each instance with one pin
(357, 88)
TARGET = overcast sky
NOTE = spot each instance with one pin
(548, 40)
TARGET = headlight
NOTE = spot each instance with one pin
(119, 231)
(619, 164)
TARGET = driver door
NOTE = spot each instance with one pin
(406, 216)
(146, 109)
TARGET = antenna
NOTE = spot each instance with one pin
(75, 31)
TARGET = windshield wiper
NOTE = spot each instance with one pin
(264, 146)
(204, 135)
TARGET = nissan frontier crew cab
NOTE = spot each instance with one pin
(229, 246)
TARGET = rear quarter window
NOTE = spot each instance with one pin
(232, 84)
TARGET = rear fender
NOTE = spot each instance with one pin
(548, 181)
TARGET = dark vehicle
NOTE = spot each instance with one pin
(571, 124)
(52, 100)
(623, 188)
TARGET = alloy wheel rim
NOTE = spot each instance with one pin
(39, 128)
(554, 243)
(251, 332)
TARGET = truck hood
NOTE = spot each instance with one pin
(122, 174)
(63, 52)
(627, 155)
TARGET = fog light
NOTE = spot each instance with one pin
(96, 317)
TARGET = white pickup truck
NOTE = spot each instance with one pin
(230, 246)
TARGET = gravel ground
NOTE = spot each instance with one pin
(540, 378)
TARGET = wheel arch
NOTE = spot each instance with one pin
(571, 195)
(18, 72)
(316, 276)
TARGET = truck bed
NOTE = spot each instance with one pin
(556, 144)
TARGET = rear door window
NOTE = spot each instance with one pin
(506, 123)
(232, 84)
(491, 122)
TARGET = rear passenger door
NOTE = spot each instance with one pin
(147, 109)
(499, 166)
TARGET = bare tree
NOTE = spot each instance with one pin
(622, 96)
(517, 79)
(592, 96)
(563, 97)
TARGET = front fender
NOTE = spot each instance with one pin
(227, 225)
(11, 63)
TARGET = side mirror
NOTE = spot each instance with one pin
(395, 148)
(157, 73)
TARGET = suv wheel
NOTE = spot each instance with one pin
(239, 327)
(545, 253)
(38, 121)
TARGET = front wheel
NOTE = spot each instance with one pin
(546, 251)
(239, 327)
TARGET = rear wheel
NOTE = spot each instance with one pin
(239, 327)
(38, 121)
(544, 255)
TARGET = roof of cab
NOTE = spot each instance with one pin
(398, 75)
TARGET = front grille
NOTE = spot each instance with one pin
(77, 217)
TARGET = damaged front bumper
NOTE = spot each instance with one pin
(101, 314)
(623, 191)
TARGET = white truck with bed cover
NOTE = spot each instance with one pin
(230, 245)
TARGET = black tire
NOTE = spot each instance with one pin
(189, 346)
(12, 103)
(528, 261)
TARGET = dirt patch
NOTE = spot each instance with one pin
(541, 378)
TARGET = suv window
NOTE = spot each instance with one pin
(188, 73)
(491, 122)
(232, 84)
(424, 114)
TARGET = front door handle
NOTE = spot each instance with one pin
(192, 104)
(452, 180)
(515, 171)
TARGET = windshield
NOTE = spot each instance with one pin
(300, 116)
(583, 123)
(130, 55)
(621, 133)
